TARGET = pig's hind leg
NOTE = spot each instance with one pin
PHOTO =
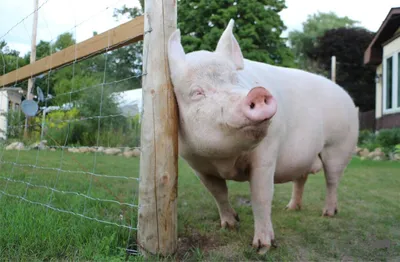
(297, 193)
(298, 185)
(335, 159)
(219, 190)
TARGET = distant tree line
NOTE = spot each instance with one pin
(258, 27)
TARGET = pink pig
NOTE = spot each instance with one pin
(243, 120)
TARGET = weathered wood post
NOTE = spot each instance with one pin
(157, 215)
(333, 68)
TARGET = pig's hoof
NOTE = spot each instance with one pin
(329, 212)
(230, 221)
(293, 206)
(264, 248)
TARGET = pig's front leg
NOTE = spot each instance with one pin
(219, 190)
(262, 190)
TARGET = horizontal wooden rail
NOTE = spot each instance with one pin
(125, 34)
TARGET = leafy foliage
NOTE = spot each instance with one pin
(387, 139)
(303, 42)
(258, 27)
(348, 45)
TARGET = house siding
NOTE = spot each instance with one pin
(3, 112)
(378, 93)
(388, 121)
(391, 47)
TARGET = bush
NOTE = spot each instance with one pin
(388, 138)
(365, 136)
(397, 149)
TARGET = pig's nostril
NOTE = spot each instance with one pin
(252, 105)
(265, 100)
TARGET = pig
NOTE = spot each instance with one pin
(248, 121)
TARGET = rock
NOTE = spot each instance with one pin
(136, 152)
(84, 150)
(16, 146)
(92, 149)
(377, 154)
(53, 149)
(364, 152)
(73, 150)
(127, 149)
(100, 149)
(378, 158)
(128, 154)
(357, 150)
(132, 153)
(42, 145)
(112, 151)
(394, 156)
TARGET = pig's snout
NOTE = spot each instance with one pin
(259, 105)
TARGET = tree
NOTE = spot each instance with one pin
(258, 27)
(10, 59)
(302, 42)
(348, 45)
(126, 62)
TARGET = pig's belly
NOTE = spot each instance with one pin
(297, 164)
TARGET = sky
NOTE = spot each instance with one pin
(58, 16)
(82, 17)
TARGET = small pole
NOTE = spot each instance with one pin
(333, 68)
(158, 186)
(43, 122)
(32, 58)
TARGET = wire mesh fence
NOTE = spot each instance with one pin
(76, 158)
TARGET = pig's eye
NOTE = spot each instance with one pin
(197, 93)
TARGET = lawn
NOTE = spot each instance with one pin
(366, 228)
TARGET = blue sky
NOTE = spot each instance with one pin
(56, 16)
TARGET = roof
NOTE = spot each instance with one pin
(373, 54)
(12, 89)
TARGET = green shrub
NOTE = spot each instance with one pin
(388, 138)
(365, 136)
(397, 149)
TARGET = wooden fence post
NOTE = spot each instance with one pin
(157, 215)
(333, 68)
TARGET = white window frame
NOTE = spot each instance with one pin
(395, 70)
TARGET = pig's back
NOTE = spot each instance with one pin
(301, 92)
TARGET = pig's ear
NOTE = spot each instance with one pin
(176, 54)
(228, 46)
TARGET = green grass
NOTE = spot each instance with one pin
(369, 211)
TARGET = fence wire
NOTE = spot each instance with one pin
(79, 154)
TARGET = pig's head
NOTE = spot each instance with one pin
(219, 115)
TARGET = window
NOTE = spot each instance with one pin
(391, 83)
(398, 79)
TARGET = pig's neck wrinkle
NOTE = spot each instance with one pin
(236, 168)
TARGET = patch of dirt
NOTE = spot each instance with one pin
(193, 239)
(242, 201)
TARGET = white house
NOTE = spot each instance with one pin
(384, 52)
(10, 99)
